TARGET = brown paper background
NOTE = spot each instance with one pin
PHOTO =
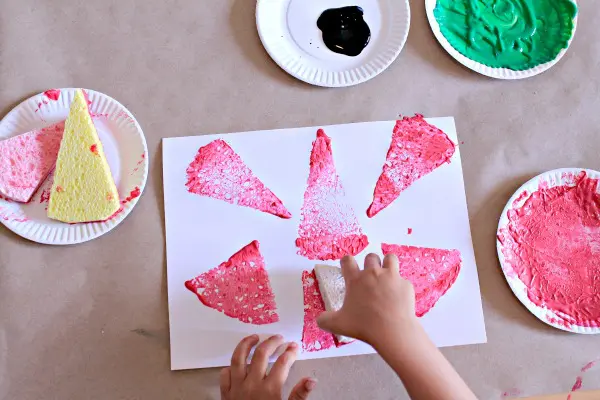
(90, 321)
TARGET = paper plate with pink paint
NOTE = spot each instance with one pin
(549, 248)
(125, 148)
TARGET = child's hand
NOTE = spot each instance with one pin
(251, 382)
(379, 304)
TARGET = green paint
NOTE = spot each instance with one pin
(514, 34)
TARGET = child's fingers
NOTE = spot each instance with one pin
(260, 359)
(349, 267)
(372, 261)
(327, 321)
(240, 357)
(391, 262)
(281, 369)
(302, 389)
(225, 383)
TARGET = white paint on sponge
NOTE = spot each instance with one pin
(333, 290)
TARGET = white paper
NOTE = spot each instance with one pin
(203, 232)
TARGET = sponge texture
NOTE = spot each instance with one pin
(83, 189)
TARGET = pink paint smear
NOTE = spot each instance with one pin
(313, 337)
(52, 94)
(239, 288)
(328, 229)
(431, 271)
(552, 243)
(417, 148)
(218, 172)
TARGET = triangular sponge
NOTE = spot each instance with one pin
(239, 288)
(333, 289)
(328, 229)
(417, 148)
(313, 337)
(83, 189)
(431, 271)
(217, 171)
(26, 160)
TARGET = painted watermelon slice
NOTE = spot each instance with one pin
(239, 288)
(313, 337)
(218, 172)
(329, 229)
(431, 271)
(417, 148)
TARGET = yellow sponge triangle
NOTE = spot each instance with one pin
(83, 189)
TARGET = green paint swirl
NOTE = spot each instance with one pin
(514, 34)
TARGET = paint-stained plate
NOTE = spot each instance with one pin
(550, 179)
(499, 73)
(125, 148)
(288, 31)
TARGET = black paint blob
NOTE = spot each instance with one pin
(344, 30)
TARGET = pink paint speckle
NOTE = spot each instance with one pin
(94, 149)
(52, 94)
(132, 195)
(409, 231)
(588, 366)
(431, 271)
(45, 195)
(239, 288)
(313, 337)
(139, 164)
(577, 385)
(417, 148)
(328, 229)
(218, 172)
(511, 393)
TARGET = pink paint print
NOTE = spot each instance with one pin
(431, 271)
(313, 337)
(26, 160)
(552, 243)
(52, 94)
(328, 229)
(218, 172)
(417, 148)
(239, 288)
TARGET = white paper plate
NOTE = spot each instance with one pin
(500, 73)
(552, 178)
(126, 151)
(288, 31)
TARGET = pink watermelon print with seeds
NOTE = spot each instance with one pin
(27, 159)
(328, 229)
(313, 337)
(218, 172)
(239, 288)
(417, 148)
(431, 271)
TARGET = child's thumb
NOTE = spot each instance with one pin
(329, 321)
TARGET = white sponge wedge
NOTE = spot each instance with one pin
(333, 289)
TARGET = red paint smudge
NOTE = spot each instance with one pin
(462, 142)
(239, 288)
(132, 195)
(431, 271)
(409, 231)
(52, 94)
(94, 149)
(588, 366)
(60, 189)
(417, 148)
(328, 229)
(511, 393)
(87, 99)
(218, 172)
(45, 196)
(577, 385)
(520, 198)
(552, 243)
(313, 337)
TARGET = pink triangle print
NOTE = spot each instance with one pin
(328, 228)
(218, 172)
(431, 271)
(313, 337)
(239, 288)
(417, 148)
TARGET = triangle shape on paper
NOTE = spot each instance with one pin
(417, 148)
(27, 159)
(239, 288)
(333, 290)
(313, 337)
(219, 172)
(431, 271)
(84, 189)
(328, 229)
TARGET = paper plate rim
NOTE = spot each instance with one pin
(517, 286)
(351, 77)
(95, 229)
(498, 73)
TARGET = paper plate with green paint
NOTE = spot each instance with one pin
(505, 39)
